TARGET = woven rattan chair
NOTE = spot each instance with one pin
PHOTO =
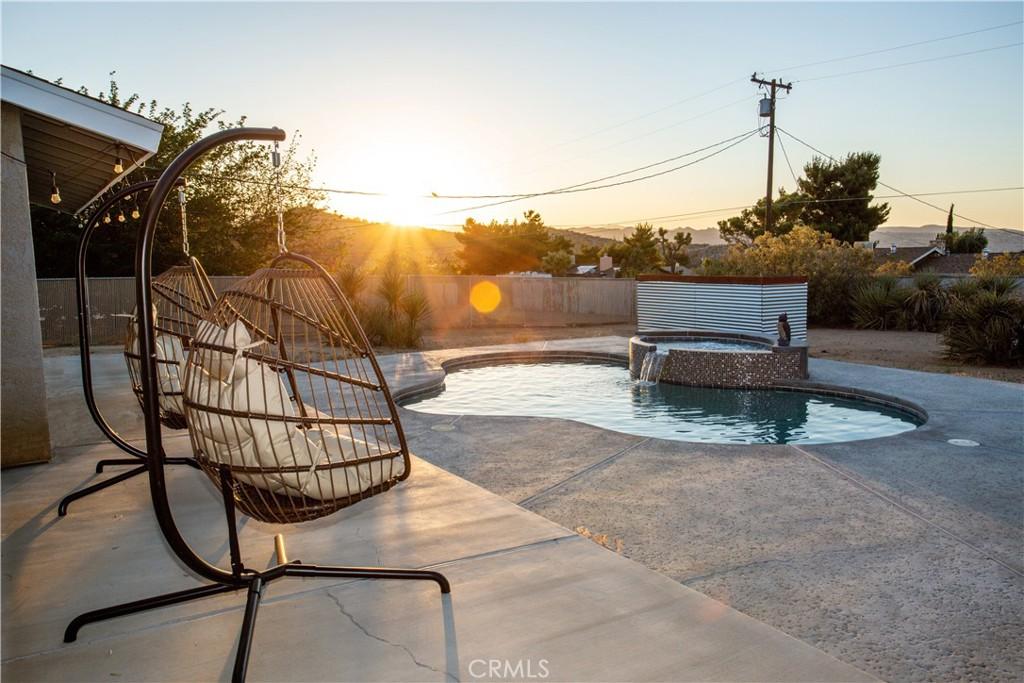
(284, 395)
(286, 407)
(182, 295)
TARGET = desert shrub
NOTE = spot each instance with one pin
(415, 313)
(986, 327)
(998, 284)
(962, 289)
(879, 304)
(391, 289)
(834, 270)
(895, 269)
(1001, 265)
(352, 281)
(399, 319)
(925, 305)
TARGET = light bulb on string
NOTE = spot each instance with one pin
(120, 216)
(118, 164)
(106, 218)
(135, 212)
(54, 190)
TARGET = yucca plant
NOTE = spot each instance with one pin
(391, 289)
(986, 328)
(352, 281)
(962, 290)
(416, 310)
(879, 305)
(925, 305)
(999, 284)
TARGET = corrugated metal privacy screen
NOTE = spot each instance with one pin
(745, 305)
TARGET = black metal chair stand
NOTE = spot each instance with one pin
(238, 576)
(137, 461)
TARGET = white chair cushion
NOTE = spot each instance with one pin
(258, 389)
(221, 363)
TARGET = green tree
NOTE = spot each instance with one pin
(588, 255)
(231, 200)
(557, 263)
(494, 248)
(842, 194)
(834, 270)
(749, 225)
(971, 241)
(638, 253)
(673, 251)
(949, 220)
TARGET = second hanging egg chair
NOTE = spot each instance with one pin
(284, 395)
(182, 295)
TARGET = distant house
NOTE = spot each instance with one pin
(927, 259)
(915, 256)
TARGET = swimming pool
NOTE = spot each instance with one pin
(603, 395)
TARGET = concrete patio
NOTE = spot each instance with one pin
(528, 593)
(902, 555)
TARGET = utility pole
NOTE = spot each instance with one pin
(769, 102)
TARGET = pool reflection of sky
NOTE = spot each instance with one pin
(605, 396)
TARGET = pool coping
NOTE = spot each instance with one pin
(403, 394)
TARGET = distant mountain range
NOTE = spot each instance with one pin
(1000, 239)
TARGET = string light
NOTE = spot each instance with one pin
(106, 218)
(54, 190)
(118, 164)
(135, 212)
(120, 215)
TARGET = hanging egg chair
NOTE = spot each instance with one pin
(284, 395)
(286, 408)
(182, 295)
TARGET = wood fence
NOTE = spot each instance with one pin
(524, 302)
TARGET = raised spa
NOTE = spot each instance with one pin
(715, 359)
(604, 395)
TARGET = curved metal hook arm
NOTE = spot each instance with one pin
(147, 344)
(85, 316)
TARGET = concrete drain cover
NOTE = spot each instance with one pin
(964, 442)
(443, 428)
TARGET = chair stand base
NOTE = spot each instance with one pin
(139, 468)
(255, 582)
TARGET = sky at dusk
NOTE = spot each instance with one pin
(413, 99)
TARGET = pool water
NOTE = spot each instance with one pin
(603, 395)
(707, 345)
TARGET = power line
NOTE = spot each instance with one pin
(602, 187)
(786, 155)
(523, 195)
(918, 61)
(901, 195)
(900, 47)
(894, 189)
(510, 195)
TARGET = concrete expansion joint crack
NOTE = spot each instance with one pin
(412, 657)
(904, 508)
(576, 475)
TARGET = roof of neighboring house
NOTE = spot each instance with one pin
(75, 136)
(911, 255)
(950, 264)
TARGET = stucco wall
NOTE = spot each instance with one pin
(24, 430)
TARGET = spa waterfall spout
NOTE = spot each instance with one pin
(650, 370)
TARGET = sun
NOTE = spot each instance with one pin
(407, 172)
